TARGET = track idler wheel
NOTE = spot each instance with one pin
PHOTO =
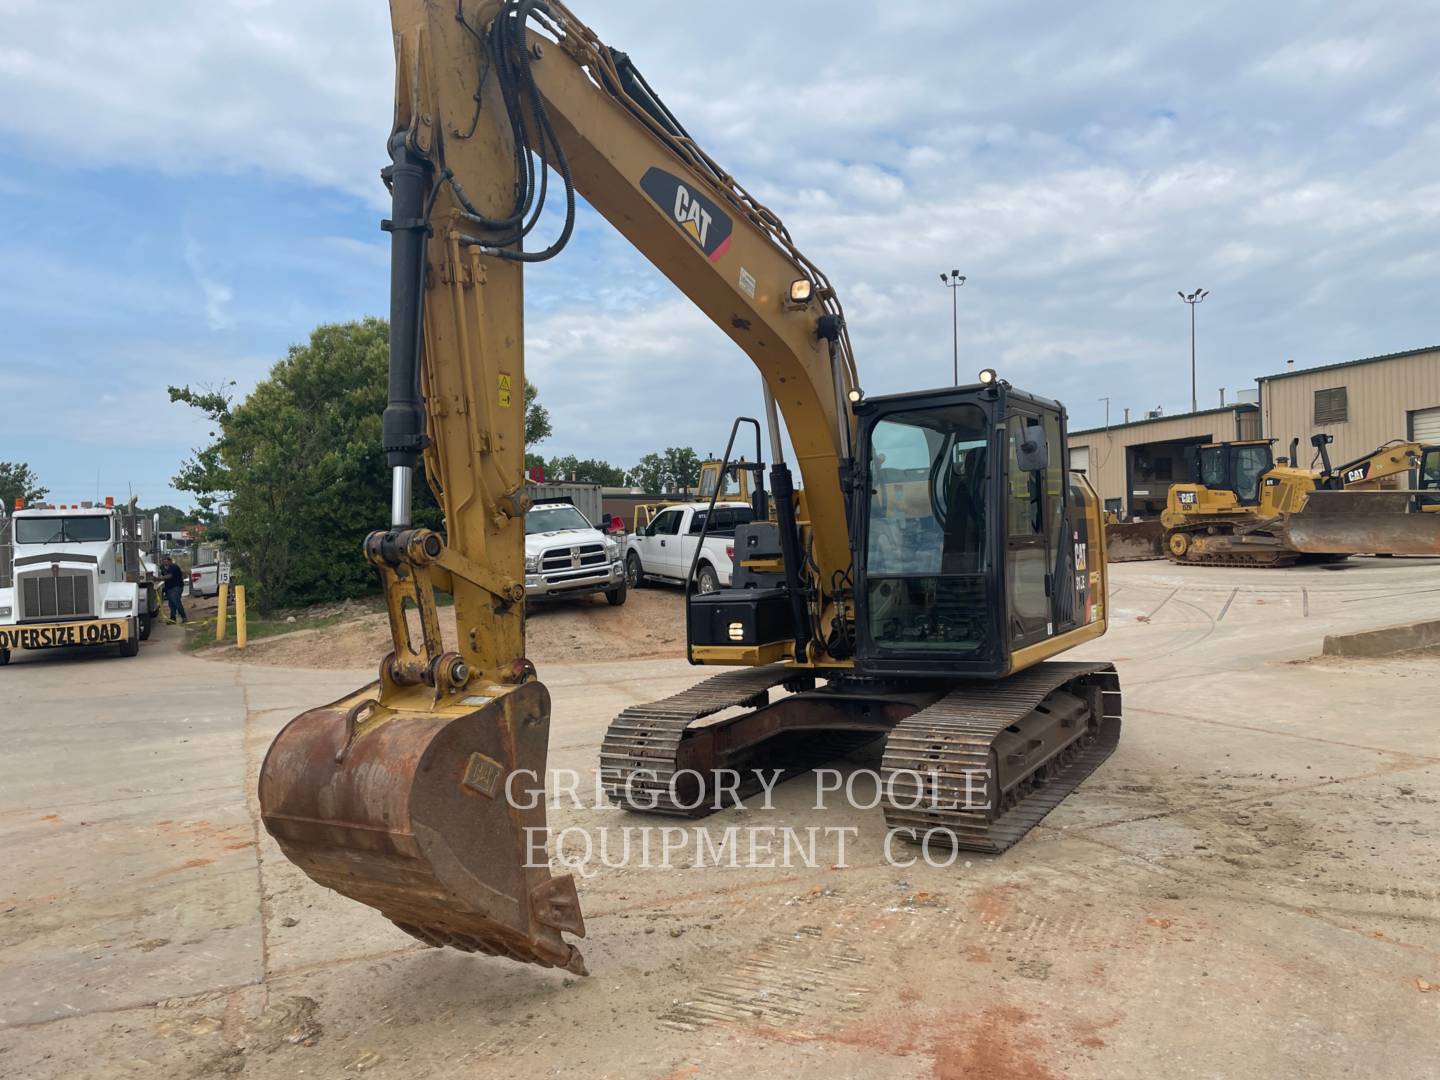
(1178, 545)
(411, 811)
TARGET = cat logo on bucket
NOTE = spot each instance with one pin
(698, 217)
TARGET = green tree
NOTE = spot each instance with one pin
(649, 474)
(537, 417)
(683, 466)
(298, 469)
(294, 478)
(675, 469)
(18, 481)
(588, 470)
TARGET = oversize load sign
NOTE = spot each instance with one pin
(44, 637)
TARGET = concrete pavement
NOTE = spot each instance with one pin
(1248, 887)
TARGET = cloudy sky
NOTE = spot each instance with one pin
(190, 187)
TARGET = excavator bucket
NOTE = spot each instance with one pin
(1361, 523)
(425, 815)
(1134, 541)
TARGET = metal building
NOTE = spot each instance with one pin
(1362, 403)
(1132, 465)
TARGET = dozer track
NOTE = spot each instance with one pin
(979, 731)
(1245, 549)
(640, 754)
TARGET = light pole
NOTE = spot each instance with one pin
(953, 281)
(1194, 298)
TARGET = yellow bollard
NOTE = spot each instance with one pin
(240, 616)
(221, 609)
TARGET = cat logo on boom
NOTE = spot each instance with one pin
(699, 217)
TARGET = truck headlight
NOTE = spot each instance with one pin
(6, 612)
(117, 605)
(532, 564)
(612, 550)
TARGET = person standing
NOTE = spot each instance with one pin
(174, 582)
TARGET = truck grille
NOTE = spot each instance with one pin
(55, 596)
(581, 560)
(569, 560)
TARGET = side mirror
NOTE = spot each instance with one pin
(1034, 452)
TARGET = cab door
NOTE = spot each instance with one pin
(660, 545)
(1034, 524)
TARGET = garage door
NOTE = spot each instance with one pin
(1425, 427)
(1080, 458)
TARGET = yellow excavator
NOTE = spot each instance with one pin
(916, 587)
(1244, 509)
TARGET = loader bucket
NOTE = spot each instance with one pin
(1134, 541)
(1361, 523)
(411, 812)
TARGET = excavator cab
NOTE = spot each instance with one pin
(971, 535)
(971, 539)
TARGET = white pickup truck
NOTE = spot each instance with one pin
(664, 549)
(565, 555)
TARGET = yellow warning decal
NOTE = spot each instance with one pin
(505, 391)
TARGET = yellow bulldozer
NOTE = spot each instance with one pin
(1244, 509)
(916, 588)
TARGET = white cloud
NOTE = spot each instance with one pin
(1079, 164)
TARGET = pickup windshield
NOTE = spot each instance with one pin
(62, 530)
(544, 519)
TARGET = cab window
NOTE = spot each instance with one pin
(92, 529)
(927, 540)
(665, 524)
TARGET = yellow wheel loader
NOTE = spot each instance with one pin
(916, 587)
(1246, 510)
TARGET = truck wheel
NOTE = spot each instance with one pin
(131, 645)
(146, 622)
(634, 572)
(616, 596)
(706, 580)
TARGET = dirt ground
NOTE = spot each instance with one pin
(649, 624)
(1249, 888)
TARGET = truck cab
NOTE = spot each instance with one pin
(73, 576)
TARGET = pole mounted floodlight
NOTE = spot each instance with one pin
(953, 281)
(1193, 299)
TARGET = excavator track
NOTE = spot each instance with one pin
(639, 757)
(933, 757)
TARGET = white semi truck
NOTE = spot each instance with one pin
(75, 576)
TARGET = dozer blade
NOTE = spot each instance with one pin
(1361, 523)
(1134, 541)
(410, 811)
